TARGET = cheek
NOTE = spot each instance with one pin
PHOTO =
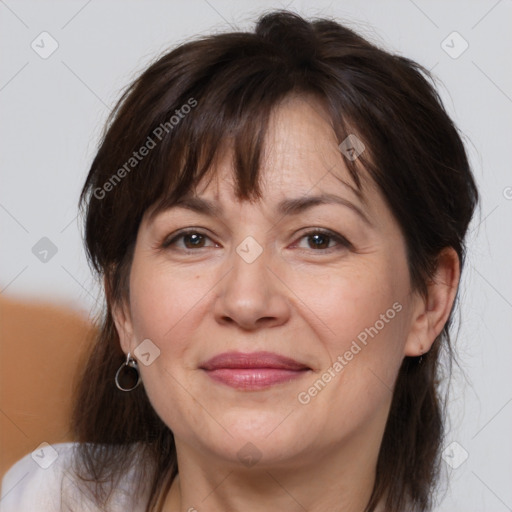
(166, 307)
(351, 301)
(163, 301)
(359, 315)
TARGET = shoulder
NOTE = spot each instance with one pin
(34, 481)
(43, 481)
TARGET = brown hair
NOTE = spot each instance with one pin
(231, 83)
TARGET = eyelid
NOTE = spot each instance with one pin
(168, 240)
(343, 241)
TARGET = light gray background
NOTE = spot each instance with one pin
(52, 111)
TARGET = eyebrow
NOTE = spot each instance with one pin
(301, 204)
(286, 207)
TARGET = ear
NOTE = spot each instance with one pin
(122, 319)
(431, 313)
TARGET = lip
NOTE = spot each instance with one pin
(253, 371)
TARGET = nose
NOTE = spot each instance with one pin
(252, 295)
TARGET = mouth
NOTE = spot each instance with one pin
(253, 371)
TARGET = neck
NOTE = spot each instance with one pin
(339, 480)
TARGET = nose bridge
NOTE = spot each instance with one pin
(250, 295)
(249, 274)
(251, 253)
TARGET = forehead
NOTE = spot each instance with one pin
(301, 154)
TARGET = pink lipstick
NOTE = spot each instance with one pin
(253, 371)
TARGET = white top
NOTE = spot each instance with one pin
(41, 482)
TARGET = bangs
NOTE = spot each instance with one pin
(233, 108)
(227, 120)
(234, 126)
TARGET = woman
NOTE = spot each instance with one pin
(279, 220)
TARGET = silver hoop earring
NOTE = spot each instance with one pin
(128, 374)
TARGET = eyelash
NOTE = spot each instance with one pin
(339, 239)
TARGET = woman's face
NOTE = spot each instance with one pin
(325, 284)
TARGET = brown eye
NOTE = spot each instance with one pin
(191, 240)
(319, 241)
(325, 241)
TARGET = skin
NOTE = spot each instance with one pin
(295, 299)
